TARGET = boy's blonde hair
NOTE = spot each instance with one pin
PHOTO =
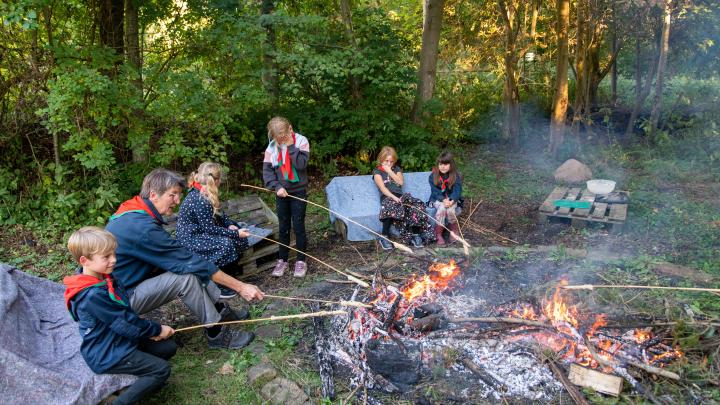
(209, 175)
(91, 240)
(385, 152)
(277, 127)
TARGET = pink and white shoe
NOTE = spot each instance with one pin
(280, 268)
(300, 269)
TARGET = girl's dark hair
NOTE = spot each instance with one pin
(445, 158)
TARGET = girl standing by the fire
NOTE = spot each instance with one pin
(445, 196)
(285, 172)
(403, 210)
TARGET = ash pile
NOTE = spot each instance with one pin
(437, 329)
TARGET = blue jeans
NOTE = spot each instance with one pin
(292, 211)
(149, 363)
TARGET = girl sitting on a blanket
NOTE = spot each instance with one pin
(445, 196)
(404, 211)
(204, 229)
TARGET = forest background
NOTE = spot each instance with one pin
(93, 94)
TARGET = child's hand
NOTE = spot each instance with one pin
(165, 332)
(233, 228)
(387, 168)
(243, 233)
(282, 192)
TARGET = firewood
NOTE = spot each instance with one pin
(322, 348)
(498, 319)
(601, 382)
(483, 375)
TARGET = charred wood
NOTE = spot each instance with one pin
(572, 390)
(322, 349)
(489, 380)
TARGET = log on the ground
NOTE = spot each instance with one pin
(499, 319)
(601, 382)
(324, 361)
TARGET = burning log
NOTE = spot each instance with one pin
(391, 314)
(427, 323)
(322, 348)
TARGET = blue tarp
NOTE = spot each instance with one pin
(357, 198)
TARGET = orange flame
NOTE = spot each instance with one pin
(557, 311)
(641, 335)
(438, 280)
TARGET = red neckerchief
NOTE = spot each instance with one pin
(445, 184)
(196, 186)
(134, 204)
(380, 168)
(286, 167)
(77, 283)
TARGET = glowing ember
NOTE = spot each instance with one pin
(642, 335)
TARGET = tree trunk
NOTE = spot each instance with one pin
(432, 24)
(641, 91)
(111, 25)
(511, 92)
(581, 66)
(136, 136)
(560, 101)
(270, 68)
(662, 61)
(615, 50)
(346, 14)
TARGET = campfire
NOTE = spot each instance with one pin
(424, 329)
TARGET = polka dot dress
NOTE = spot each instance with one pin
(207, 234)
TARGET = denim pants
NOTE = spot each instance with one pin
(149, 363)
(292, 211)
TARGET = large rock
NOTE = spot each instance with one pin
(573, 172)
(261, 373)
(282, 391)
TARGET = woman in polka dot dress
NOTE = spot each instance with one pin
(207, 231)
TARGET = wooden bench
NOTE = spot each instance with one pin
(613, 214)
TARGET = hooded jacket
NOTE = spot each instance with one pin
(298, 153)
(109, 328)
(145, 249)
(454, 193)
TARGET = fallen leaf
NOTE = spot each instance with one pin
(226, 369)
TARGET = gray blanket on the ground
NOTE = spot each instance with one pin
(40, 361)
(358, 198)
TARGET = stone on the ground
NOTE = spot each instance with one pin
(261, 373)
(573, 172)
(282, 391)
(226, 369)
(270, 331)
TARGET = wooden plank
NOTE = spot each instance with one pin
(601, 382)
(572, 195)
(598, 211)
(549, 204)
(586, 196)
(618, 212)
(263, 251)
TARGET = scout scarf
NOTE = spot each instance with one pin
(77, 283)
(280, 157)
(135, 204)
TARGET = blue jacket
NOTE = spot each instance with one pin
(454, 193)
(145, 249)
(109, 328)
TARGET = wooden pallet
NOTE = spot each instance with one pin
(613, 214)
(252, 210)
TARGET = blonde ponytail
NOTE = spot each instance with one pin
(208, 175)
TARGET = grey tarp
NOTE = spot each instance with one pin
(357, 198)
(40, 361)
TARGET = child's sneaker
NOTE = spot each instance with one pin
(417, 241)
(300, 269)
(280, 268)
(386, 244)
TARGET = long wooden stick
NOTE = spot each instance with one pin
(649, 287)
(272, 318)
(343, 303)
(348, 276)
(498, 319)
(396, 244)
(460, 238)
(574, 392)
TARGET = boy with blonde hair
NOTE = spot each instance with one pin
(114, 339)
